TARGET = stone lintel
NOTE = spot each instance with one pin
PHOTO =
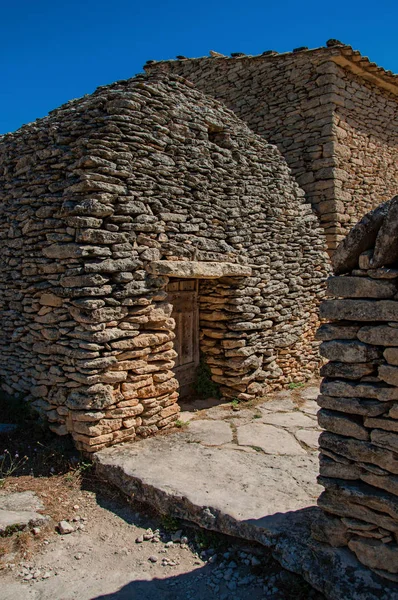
(197, 269)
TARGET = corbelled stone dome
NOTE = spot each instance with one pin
(118, 212)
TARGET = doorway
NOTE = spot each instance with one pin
(183, 295)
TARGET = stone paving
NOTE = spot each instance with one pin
(249, 471)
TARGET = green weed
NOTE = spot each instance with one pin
(204, 386)
(170, 523)
(294, 385)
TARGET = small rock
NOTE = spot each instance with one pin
(36, 530)
(139, 539)
(46, 575)
(78, 556)
(255, 562)
(64, 527)
(153, 559)
(213, 558)
(169, 544)
(76, 507)
(176, 537)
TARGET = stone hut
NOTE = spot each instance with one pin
(332, 113)
(138, 226)
(359, 395)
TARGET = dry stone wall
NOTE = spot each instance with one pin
(365, 134)
(95, 201)
(337, 131)
(359, 395)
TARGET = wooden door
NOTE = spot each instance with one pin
(183, 295)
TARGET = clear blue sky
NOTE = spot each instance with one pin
(55, 50)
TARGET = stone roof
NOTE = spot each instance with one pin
(342, 54)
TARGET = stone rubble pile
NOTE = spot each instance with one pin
(359, 395)
(146, 172)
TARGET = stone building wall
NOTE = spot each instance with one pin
(105, 200)
(365, 134)
(336, 129)
(359, 396)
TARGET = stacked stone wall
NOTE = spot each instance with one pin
(359, 396)
(95, 200)
(365, 134)
(287, 99)
(337, 131)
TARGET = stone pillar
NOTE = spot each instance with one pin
(359, 398)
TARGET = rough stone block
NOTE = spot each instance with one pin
(386, 251)
(348, 370)
(359, 310)
(350, 389)
(391, 355)
(361, 451)
(389, 374)
(374, 554)
(349, 351)
(385, 439)
(362, 237)
(337, 331)
(379, 335)
(355, 406)
(360, 287)
(342, 424)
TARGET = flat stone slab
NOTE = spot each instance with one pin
(250, 474)
(308, 437)
(210, 433)
(198, 269)
(265, 498)
(272, 440)
(245, 486)
(19, 510)
(293, 420)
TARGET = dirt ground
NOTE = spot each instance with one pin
(106, 556)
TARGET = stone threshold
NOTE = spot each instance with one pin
(193, 485)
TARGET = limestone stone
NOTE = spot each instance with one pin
(378, 391)
(385, 252)
(347, 370)
(375, 554)
(269, 438)
(349, 351)
(361, 237)
(337, 331)
(289, 420)
(382, 335)
(19, 510)
(330, 530)
(385, 439)
(360, 451)
(210, 433)
(391, 355)
(337, 470)
(386, 424)
(360, 287)
(388, 374)
(342, 424)
(308, 437)
(360, 310)
(192, 269)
